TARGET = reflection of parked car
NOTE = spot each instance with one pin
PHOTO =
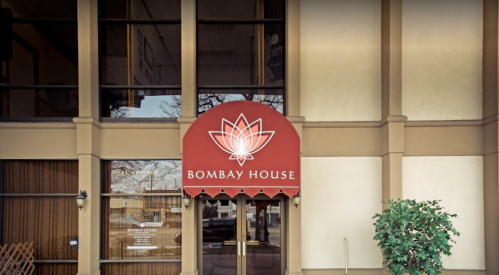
(252, 223)
(120, 222)
(148, 223)
(216, 230)
(178, 237)
(219, 229)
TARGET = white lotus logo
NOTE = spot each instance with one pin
(241, 139)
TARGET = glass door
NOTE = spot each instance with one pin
(242, 236)
(263, 249)
(221, 237)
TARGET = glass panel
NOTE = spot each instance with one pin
(5, 38)
(153, 58)
(43, 53)
(219, 237)
(39, 102)
(210, 98)
(141, 227)
(264, 244)
(274, 54)
(145, 103)
(229, 54)
(142, 176)
(140, 9)
(56, 269)
(140, 268)
(38, 177)
(42, 9)
(47, 222)
(241, 9)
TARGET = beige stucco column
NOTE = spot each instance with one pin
(293, 236)
(189, 84)
(188, 44)
(293, 57)
(189, 110)
(88, 131)
(391, 84)
(491, 135)
(293, 240)
(189, 240)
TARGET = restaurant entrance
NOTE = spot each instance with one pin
(241, 235)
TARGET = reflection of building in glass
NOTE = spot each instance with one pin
(40, 77)
(139, 217)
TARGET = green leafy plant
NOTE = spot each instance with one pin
(413, 235)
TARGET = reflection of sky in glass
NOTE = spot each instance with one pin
(135, 176)
(273, 101)
(169, 106)
(151, 107)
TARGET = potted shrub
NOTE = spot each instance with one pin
(413, 235)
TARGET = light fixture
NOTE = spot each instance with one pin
(80, 199)
(187, 201)
(296, 200)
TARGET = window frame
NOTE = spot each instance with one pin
(233, 21)
(36, 87)
(102, 22)
(103, 196)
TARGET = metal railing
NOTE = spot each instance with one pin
(345, 246)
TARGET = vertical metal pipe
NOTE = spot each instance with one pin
(345, 243)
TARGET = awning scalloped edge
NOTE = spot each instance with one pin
(234, 191)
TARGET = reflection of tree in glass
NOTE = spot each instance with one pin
(172, 108)
(209, 100)
(135, 176)
(121, 112)
(210, 211)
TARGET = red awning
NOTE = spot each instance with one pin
(241, 146)
(231, 191)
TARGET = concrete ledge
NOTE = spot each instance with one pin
(341, 271)
(92, 273)
(380, 271)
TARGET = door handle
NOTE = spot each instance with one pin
(238, 248)
(244, 249)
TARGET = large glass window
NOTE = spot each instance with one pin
(240, 52)
(140, 58)
(39, 70)
(141, 217)
(37, 205)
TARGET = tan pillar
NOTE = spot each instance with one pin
(293, 57)
(293, 236)
(189, 84)
(189, 240)
(491, 210)
(391, 110)
(189, 111)
(88, 131)
(293, 242)
(188, 46)
(88, 59)
(89, 222)
(491, 135)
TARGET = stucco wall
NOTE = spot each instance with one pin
(442, 59)
(340, 60)
(458, 182)
(339, 198)
(38, 141)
